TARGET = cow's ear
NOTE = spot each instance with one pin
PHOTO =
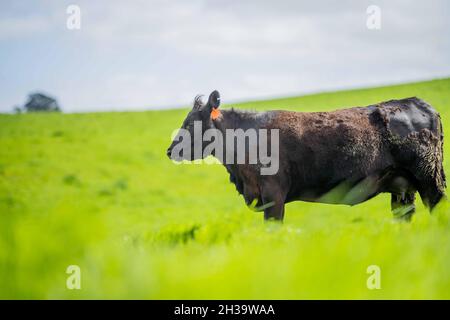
(214, 100)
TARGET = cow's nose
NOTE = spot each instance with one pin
(169, 152)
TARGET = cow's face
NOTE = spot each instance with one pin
(196, 123)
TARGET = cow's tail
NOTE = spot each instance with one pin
(440, 174)
(433, 191)
(434, 154)
(430, 170)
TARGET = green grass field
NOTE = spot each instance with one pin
(97, 190)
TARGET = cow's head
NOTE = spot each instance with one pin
(199, 117)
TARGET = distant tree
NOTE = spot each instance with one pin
(17, 109)
(39, 102)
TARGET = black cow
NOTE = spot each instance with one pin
(342, 157)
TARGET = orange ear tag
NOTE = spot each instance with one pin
(215, 113)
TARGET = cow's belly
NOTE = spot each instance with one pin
(343, 193)
(356, 190)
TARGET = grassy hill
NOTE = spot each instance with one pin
(97, 190)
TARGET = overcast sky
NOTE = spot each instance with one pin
(131, 55)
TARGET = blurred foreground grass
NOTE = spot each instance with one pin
(96, 190)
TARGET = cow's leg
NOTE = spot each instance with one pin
(274, 212)
(402, 205)
(273, 202)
